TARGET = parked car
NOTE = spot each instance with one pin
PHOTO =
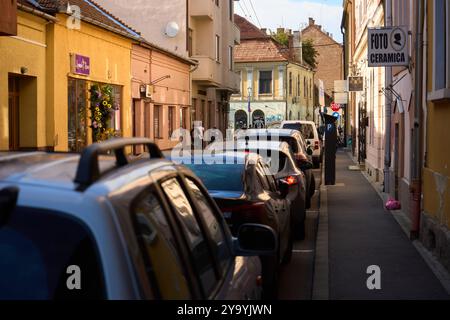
(309, 132)
(279, 157)
(302, 152)
(119, 229)
(246, 192)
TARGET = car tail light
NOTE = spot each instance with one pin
(291, 180)
(259, 281)
(316, 145)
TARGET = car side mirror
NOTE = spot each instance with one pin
(306, 165)
(255, 240)
(8, 202)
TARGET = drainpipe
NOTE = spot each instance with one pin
(416, 183)
(388, 106)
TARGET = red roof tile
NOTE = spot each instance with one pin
(260, 50)
(89, 10)
(248, 29)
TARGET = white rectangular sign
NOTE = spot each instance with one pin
(341, 97)
(388, 47)
(321, 94)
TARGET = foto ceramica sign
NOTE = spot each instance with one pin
(388, 47)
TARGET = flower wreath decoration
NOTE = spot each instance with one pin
(102, 107)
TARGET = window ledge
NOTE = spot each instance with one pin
(442, 95)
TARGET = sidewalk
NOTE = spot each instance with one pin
(362, 234)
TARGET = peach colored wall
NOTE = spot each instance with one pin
(149, 65)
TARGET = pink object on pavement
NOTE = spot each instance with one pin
(393, 204)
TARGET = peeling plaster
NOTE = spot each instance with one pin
(441, 186)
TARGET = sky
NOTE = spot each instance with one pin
(293, 14)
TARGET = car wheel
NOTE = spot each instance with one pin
(301, 231)
(308, 202)
(288, 254)
(270, 278)
(316, 163)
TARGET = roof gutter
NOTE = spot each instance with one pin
(37, 12)
(109, 28)
(144, 43)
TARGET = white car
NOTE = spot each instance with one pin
(309, 132)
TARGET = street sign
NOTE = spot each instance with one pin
(340, 86)
(335, 107)
(321, 94)
(388, 47)
(341, 97)
(355, 84)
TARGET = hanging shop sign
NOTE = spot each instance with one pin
(388, 47)
(355, 84)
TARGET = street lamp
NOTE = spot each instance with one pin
(250, 91)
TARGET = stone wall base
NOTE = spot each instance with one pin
(436, 238)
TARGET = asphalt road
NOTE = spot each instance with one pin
(296, 278)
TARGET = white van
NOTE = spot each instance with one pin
(309, 132)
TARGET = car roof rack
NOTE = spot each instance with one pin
(88, 171)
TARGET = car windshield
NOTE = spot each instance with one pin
(40, 250)
(220, 177)
(306, 129)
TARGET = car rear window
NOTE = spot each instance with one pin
(292, 143)
(275, 160)
(39, 250)
(306, 129)
(220, 177)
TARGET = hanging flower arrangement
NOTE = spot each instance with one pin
(102, 110)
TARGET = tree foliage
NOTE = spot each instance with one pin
(310, 53)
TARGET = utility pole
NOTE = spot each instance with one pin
(416, 184)
(388, 105)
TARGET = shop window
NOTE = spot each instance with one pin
(157, 112)
(105, 108)
(77, 128)
(171, 115)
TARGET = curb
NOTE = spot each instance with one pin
(321, 266)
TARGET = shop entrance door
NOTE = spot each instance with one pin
(13, 112)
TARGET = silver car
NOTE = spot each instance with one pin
(100, 226)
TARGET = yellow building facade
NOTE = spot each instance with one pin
(109, 57)
(436, 173)
(23, 108)
(47, 75)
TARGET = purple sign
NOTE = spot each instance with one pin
(81, 65)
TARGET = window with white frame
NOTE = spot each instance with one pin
(441, 78)
(217, 48)
(265, 82)
(230, 58)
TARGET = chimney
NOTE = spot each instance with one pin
(264, 30)
(311, 21)
(297, 47)
(291, 46)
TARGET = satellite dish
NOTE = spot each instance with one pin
(172, 29)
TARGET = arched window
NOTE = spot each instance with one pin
(240, 119)
(258, 119)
